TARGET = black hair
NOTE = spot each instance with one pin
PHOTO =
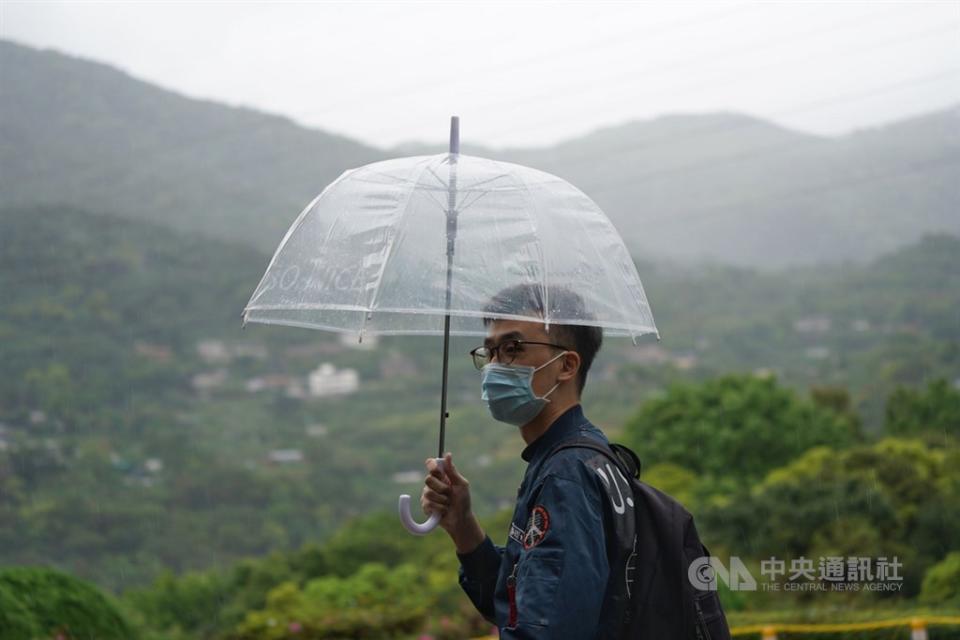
(527, 300)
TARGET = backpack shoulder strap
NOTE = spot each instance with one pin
(622, 456)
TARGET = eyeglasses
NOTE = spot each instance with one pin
(505, 352)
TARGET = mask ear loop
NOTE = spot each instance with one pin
(544, 396)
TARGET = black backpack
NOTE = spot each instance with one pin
(650, 557)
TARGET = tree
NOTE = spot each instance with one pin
(941, 584)
(190, 602)
(734, 426)
(933, 413)
(37, 602)
(373, 602)
(894, 497)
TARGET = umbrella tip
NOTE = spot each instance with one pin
(455, 134)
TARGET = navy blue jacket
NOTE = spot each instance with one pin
(550, 579)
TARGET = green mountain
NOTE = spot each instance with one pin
(716, 186)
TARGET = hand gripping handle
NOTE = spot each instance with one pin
(409, 523)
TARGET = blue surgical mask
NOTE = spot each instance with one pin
(508, 392)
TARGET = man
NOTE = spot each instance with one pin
(551, 578)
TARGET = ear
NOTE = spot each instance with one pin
(571, 365)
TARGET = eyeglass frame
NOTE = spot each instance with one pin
(495, 350)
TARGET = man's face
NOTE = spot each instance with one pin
(501, 332)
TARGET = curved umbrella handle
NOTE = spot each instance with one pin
(409, 523)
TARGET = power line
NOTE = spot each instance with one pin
(653, 72)
(696, 132)
(513, 65)
(808, 190)
(588, 158)
(658, 70)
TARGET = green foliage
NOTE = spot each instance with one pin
(672, 479)
(191, 601)
(39, 602)
(892, 498)
(738, 426)
(941, 584)
(347, 584)
(838, 400)
(377, 538)
(835, 616)
(932, 413)
(373, 601)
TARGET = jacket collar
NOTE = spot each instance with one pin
(565, 426)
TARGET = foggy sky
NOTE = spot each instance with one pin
(521, 75)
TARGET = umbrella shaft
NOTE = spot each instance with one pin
(451, 242)
(446, 354)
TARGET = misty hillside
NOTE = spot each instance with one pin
(85, 134)
(744, 191)
(718, 186)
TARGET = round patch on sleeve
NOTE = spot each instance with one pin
(537, 527)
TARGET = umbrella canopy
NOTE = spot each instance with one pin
(424, 245)
(371, 253)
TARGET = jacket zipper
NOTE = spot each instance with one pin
(702, 631)
(512, 596)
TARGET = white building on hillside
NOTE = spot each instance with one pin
(285, 456)
(326, 380)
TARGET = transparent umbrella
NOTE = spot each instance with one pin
(420, 245)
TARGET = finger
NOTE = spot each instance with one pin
(429, 507)
(437, 484)
(434, 468)
(436, 498)
(430, 494)
(451, 470)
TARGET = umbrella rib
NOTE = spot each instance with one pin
(543, 260)
(477, 184)
(439, 179)
(389, 252)
(429, 193)
(445, 188)
(466, 205)
(395, 178)
(385, 176)
(625, 271)
(596, 252)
